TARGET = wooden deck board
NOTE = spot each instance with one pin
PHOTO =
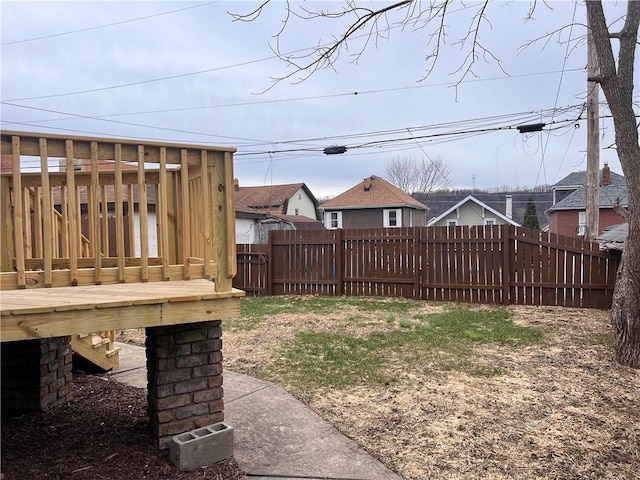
(46, 312)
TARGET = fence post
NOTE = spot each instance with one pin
(417, 263)
(339, 260)
(270, 264)
(506, 256)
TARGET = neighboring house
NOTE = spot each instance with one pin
(440, 201)
(568, 215)
(373, 203)
(253, 226)
(471, 211)
(246, 221)
(289, 199)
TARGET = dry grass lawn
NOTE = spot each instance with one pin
(560, 409)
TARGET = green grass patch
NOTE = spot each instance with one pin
(605, 339)
(445, 341)
(255, 310)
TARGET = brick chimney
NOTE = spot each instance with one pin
(367, 184)
(606, 174)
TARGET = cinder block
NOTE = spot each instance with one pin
(202, 446)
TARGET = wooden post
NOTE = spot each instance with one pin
(47, 216)
(18, 212)
(339, 263)
(117, 196)
(72, 215)
(7, 252)
(94, 215)
(270, 264)
(506, 255)
(144, 219)
(161, 213)
(208, 184)
(185, 214)
(593, 141)
(230, 216)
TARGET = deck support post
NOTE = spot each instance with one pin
(184, 378)
(36, 374)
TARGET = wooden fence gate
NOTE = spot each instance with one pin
(480, 264)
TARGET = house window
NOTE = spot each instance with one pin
(452, 222)
(297, 211)
(333, 220)
(581, 231)
(582, 218)
(490, 221)
(392, 218)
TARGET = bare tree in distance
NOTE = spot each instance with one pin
(418, 176)
(616, 74)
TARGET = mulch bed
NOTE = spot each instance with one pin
(103, 433)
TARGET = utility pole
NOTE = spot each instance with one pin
(593, 141)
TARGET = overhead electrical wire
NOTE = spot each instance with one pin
(564, 64)
(87, 29)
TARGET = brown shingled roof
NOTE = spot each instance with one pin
(373, 192)
(268, 199)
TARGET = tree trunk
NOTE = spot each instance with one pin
(625, 316)
(617, 84)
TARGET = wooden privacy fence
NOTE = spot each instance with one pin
(480, 264)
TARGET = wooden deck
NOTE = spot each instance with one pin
(50, 312)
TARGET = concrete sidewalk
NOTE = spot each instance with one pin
(276, 436)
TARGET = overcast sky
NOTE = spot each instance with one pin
(185, 71)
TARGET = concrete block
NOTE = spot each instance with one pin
(202, 446)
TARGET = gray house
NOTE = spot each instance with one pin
(373, 203)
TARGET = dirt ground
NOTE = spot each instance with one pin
(563, 409)
(102, 434)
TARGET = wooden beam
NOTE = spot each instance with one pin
(62, 278)
(82, 149)
(7, 251)
(77, 310)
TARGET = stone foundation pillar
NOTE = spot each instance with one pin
(36, 374)
(184, 376)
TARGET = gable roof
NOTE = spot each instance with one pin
(270, 198)
(441, 200)
(373, 192)
(579, 179)
(471, 198)
(607, 195)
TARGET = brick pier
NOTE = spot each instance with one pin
(184, 378)
(36, 374)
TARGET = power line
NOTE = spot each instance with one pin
(33, 39)
(564, 64)
(295, 99)
(522, 117)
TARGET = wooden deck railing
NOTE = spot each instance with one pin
(81, 210)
